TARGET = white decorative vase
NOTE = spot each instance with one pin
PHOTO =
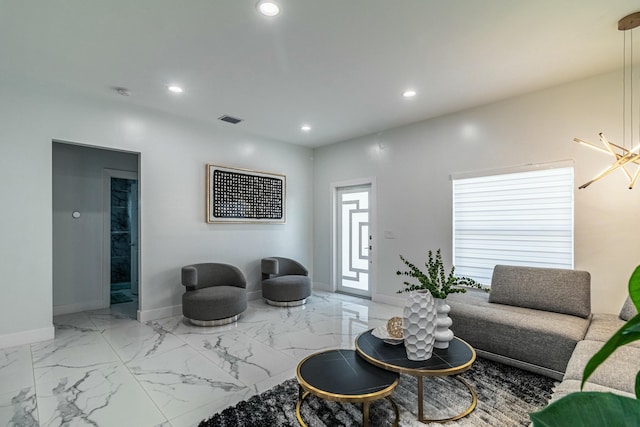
(444, 335)
(418, 325)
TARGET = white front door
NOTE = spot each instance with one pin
(353, 240)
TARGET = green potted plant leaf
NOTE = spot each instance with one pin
(599, 408)
(435, 279)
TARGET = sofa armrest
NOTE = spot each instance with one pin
(269, 266)
(628, 310)
(190, 277)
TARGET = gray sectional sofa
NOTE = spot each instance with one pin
(540, 319)
(617, 374)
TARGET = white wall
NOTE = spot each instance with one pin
(78, 244)
(413, 164)
(174, 152)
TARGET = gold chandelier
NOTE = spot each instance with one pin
(627, 160)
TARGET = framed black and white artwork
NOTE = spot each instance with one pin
(241, 195)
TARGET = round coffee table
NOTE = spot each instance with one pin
(444, 362)
(343, 376)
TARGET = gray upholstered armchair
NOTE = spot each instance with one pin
(285, 282)
(216, 293)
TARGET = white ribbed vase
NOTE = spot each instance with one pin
(444, 335)
(418, 325)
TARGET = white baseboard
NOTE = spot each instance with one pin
(77, 307)
(27, 337)
(391, 300)
(317, 286)
(159, 313)
(254, 295)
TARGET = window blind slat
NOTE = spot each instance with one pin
(523, 218)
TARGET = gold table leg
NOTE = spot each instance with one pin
(298, 405)
(472, 406)
(395, 409)
(365, 414)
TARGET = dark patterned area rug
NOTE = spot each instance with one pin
(506, 396)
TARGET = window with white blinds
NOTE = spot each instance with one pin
(523, 218)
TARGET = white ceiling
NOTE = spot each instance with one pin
(338, 65)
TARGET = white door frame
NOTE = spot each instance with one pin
(107, 174)
(373, 253)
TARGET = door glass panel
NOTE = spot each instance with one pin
(354, 240)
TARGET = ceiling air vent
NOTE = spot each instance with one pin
(229, 119)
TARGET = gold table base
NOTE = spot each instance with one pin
(474, 402)
(365, 410)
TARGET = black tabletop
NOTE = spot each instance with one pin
(456, 359)
(336, 374)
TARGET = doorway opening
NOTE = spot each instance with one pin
(83, 244)
(124, 241)
(121, 241)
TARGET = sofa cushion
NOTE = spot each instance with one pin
(548, 289)
(214, 303)
(603, 326)
(617, 372)
(573, 386)
(628, 310)
(515, 332)
(286, 288)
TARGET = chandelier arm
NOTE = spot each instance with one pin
(601, 175)
(607, 144)
(602, 150)
(629, 158)
(617, 164)
(626, 172)
(624, 150)
(623, 160)
(634, 179)
(591, 145)
(635, 159)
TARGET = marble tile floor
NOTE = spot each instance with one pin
(106, 369)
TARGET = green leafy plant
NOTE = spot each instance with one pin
(599, 408)
(435, 279)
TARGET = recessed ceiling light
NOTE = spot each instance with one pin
(268, 8)
(305, 128)
(409, 93)
(175, 89)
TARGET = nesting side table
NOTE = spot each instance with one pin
(344, 376)
(444, 362)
